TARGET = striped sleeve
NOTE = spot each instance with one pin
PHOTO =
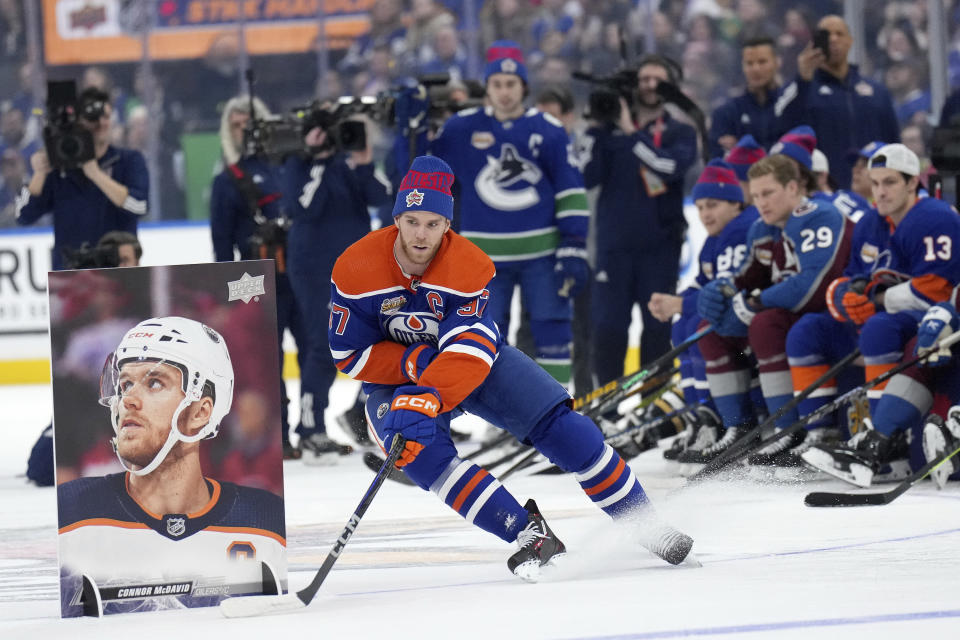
(467, 352)
(357, 345)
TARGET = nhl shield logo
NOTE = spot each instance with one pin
(176, 526)
(414, 198)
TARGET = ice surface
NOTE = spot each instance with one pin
(772, 568)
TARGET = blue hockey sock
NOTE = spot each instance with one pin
(773, 405)
(480, 499)
(611, 485)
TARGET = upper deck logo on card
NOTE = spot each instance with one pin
(246, 288)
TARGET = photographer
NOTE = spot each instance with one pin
(327, 193)
(106, 191)
(637, 155)
(247, 216)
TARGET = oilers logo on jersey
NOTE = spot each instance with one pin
(407, 328)
(494, 181)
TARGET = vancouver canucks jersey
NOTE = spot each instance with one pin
(794, 266)
(521, 192)
(142, 560)
(377, 311)
(721, 255)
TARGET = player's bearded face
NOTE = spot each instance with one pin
(421, 233)
(150, 392)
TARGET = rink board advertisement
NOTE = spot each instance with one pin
(167, 435)
(96, 31)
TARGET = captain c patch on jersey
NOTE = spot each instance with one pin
(500, 184)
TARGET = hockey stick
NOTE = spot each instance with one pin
(610, 396)
(737, 451)
(243, 607)
(828, 499)
(745, 445)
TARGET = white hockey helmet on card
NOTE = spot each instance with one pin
(201, 355)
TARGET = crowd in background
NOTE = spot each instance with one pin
(416, 37)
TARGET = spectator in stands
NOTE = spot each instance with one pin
(794, 36)
(753, 111)
(755, 20)
(447, 54)
(13, 171)
(104, 194)
(845, 109)
(386, 30)
(904, 79)
(13, 134)
(505, 20)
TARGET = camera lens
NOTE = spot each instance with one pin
(69, 147)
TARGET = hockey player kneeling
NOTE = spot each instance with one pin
(161, 535)
(408, 319)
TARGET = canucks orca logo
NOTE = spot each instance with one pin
(494, 181)
(407, 328)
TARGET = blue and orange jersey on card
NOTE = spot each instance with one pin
(377, 311)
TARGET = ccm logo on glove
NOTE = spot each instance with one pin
(426, 404)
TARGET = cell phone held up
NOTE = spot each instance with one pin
(821, 41)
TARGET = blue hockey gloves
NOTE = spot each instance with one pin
(411, 109)
(413, 414)
(714, 300)
(939, 322)
(416, 358)
(572, 270)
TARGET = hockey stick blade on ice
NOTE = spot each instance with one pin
(828, 499)
(247, 606)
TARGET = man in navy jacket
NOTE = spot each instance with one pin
(845, 109)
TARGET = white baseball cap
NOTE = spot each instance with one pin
(897, 157)
(819, 161)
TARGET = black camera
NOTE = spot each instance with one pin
(87, 257)
(68, 143)
(274, 137)
(604, 103)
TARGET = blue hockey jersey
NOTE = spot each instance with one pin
(794, 266)
(921, 249)
(376, 311)
(721, 256)
(521, 192)
(849, 203)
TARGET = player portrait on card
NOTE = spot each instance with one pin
(168, 452)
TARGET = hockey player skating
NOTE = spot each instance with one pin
(796, 248)
(168, 385)
(522, 201)
(409, 317)
(926, 231)
(720, 203)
